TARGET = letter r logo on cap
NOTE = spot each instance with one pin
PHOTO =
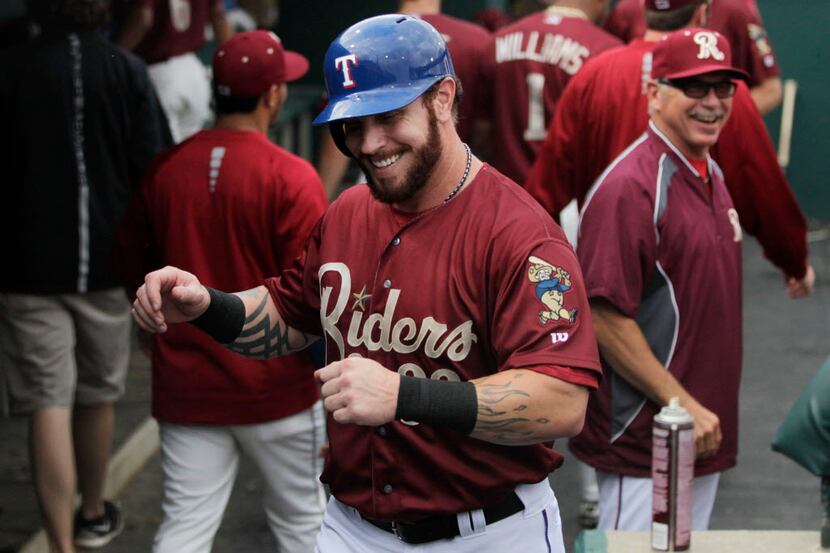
(708, 43)
(342, 64)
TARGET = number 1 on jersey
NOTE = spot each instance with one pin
(535, 130)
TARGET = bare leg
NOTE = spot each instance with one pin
(93, 428)
(53, 468)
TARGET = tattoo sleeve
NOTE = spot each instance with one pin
(505, 412)
(265, 334)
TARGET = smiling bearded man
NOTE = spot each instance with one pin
(426, 156)
(445, 387)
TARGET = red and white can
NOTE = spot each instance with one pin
(672, 474)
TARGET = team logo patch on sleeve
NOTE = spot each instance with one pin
(551, 283)
(758, 35)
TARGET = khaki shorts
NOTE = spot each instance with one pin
(62, 349)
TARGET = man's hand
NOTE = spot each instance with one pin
(800, 288)
(707, 429)
(359, 391)
(169, 295)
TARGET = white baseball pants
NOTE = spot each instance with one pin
(537, 529)
(625, 501)
(200, 464)
(183, 88)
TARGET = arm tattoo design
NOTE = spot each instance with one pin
(261, 337)
(500, 409)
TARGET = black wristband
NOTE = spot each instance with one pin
(438, 403)
(224, 318)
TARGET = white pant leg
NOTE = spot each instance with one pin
(200, 465)
(569, 221)
(287, 452)
(537, 529)
(183, 88)
(705, 492)
(625, 501)
(588, 487)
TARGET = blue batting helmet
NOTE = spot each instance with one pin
(382, 64)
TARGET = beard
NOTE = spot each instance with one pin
(425, 160)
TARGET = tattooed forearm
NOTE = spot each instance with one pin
(264, 333)
(507, 412)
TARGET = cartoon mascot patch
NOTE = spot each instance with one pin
(551, 284)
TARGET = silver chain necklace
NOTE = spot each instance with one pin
(463, 177)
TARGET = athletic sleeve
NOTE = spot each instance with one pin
(302, 204)
(541, 317)
(296, 291)
(551, 178)
(624, 21)
(754, 51)
(762, 196)
(617, 244)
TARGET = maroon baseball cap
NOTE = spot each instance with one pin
(692, 52)
(666, 5)
(248, 63)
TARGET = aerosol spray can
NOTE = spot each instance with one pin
(672, 474)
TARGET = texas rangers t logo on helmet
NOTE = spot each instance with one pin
(342, 64)
(708, 43)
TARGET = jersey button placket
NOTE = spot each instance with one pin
(387, 489)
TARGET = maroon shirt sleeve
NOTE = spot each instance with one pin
(552, 177)
(764, 200)
(549, 334)
(296, 290)
(751, 48)
(626, 20)
(617, 244)
(303, 203)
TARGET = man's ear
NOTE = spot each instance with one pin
(444, 99)
(275, 96)
(652, 94)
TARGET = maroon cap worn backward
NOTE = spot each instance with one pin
(666, 5)
(692, 52)
(248, 63)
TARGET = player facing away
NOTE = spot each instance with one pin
(605, 108)
(527, 66)
(445, 387)
(208, 204)
(738, 20)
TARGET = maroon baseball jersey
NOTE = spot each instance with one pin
(467, 43)
(527, 67)
(663, 246)
(178, 28)
(481, 284)
(604, 109)
(232, 208)
(738, 20)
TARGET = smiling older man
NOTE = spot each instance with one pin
(660, 246)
